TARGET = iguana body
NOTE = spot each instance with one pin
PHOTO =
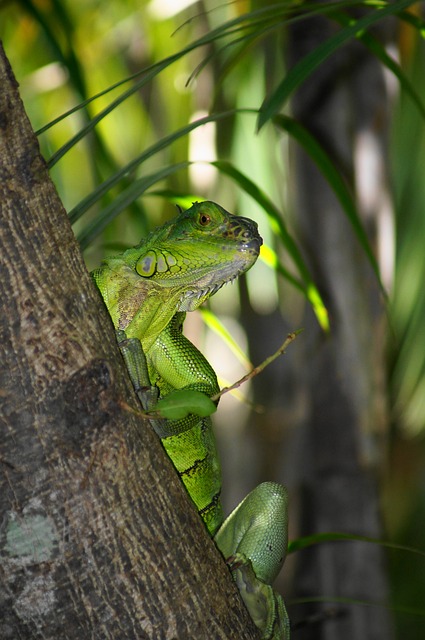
(147, 290)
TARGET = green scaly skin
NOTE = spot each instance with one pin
(148, 289)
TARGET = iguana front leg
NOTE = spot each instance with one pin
(137, 367)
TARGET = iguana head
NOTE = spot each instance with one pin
(198, 252)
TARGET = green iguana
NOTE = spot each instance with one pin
(147, 290)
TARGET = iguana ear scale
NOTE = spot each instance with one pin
(146, 264)
(154, 261)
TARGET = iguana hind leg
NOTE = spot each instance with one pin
(254, 540)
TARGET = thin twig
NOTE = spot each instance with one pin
(256, 370)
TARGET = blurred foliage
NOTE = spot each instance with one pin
(408, 303)
(155, 102)
(405, 500)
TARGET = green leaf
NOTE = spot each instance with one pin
(410, 611)
(305, 67)
(379, 51)
(130, 167)
(146, 75)
(335, 180)
(320, 538)
(179, 404)
(123, 200)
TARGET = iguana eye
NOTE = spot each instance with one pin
(204, 219)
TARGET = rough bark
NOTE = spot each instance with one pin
(98, 538)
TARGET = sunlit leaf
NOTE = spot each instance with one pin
(215, 324)
(163, 143)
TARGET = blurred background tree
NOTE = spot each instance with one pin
(158, 102)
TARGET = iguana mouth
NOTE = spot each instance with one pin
(202, 293)
(191, 299)
(246, 253)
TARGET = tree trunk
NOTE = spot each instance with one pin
(98, 538)
(341, 445)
